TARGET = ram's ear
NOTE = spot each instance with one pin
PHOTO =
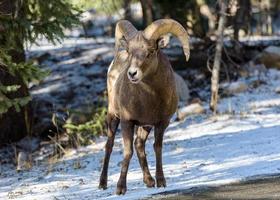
(163, 41)
(123, 43)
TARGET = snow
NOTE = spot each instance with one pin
(272, 49)
(202, 150)
(255, 40)
(70, 42)
(194, 108)
(255, 99)
(214, 151)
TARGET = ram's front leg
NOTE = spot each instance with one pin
(112, 125)
(142, 135)
(127, 134)
(159, 131)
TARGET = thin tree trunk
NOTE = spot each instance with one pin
(127, 10)
(241, 17)
(217, 59)
(259, 19)
(147, 10)
(268, 18)
(205, 11)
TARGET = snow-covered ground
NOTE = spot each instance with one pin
(202, 150)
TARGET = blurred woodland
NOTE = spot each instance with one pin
(241, 29)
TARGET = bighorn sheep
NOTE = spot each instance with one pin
(141, 93)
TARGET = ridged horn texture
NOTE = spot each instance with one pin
(124, 29)
(164, 26)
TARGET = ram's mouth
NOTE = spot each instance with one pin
(134, 80)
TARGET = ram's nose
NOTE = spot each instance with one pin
(132, 73)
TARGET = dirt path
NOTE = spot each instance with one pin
(264, 188)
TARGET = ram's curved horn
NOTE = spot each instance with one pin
(164, 26)
(124, 29)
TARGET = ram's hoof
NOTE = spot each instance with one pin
(149, 181)
(161, 182)
(121, 190)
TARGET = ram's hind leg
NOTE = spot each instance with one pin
(139, 144)
(112, 125)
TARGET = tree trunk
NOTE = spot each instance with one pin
(127, 10)
(147, 10)
(218, 54)
(13, 125)
(241, 17)
(205, 11)
(266, 20)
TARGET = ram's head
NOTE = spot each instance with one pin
(142, 46)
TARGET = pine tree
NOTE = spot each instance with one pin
(21, 22)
